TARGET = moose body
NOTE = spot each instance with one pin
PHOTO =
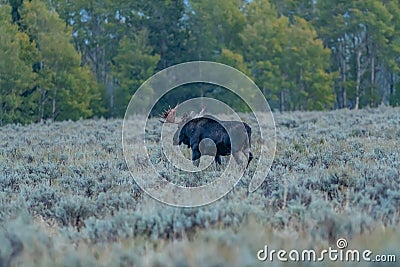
(207, 135)
(227, 137)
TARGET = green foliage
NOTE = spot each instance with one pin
(15, 69)
(364, 30)
(288, 61)
(66, 88)
(234, 60)
(166, 31)
(307, 63)
(213, 25)
(395, 97)
(134, 64)
(304, 55)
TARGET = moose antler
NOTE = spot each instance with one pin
(169, 115)
(201, 113)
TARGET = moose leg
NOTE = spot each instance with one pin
(237, 158)
(196, 156)
(194, 144)
(217, 160)
(250, 158)
(248, 154)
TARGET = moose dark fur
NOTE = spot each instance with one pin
(220, 133)
(207, 135)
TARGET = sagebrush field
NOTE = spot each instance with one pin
(68, 199)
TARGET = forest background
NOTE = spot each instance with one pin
(63, 59)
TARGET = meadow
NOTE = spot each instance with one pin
(67, 197)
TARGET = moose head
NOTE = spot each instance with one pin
(169, 116)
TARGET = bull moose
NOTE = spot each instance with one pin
(207, 135)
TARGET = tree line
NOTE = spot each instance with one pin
(63, 59)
